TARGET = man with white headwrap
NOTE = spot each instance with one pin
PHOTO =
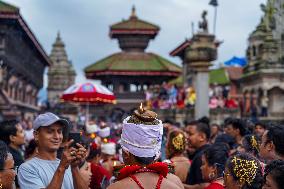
(141, 140)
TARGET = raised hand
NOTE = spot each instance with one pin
(80, 155)
(68, 155)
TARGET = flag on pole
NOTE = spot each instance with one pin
(213, 3)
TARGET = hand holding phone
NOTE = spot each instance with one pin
(76, 136)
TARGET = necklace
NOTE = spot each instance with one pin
(219, 180)
(130, 171)
(159, 168)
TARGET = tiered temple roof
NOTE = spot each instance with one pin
(10, 12)
(133, 25)
(133, 35)
(133, 64)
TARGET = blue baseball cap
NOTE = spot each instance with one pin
(48, 119)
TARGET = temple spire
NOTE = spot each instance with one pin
(58, 41)
(133, 13)
(58, 38)
(58, 53)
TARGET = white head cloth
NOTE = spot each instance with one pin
(104, 132)
(108, 148)
(142, 140)
(93, 128)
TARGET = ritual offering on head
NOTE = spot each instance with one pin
(142, 133)
(143, 116)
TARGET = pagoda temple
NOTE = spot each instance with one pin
(61, 73)
(132, 71)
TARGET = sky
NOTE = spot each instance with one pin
(84, 25)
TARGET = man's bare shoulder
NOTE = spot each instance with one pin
(123, 184)
(173, 178)
(172, 182)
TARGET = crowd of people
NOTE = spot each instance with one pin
(169, 96)
(141, 152)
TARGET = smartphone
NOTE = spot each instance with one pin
(76, 136)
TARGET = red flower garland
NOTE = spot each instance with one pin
(158, 167)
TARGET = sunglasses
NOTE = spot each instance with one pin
(13, 168)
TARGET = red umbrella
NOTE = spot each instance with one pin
(88, 93)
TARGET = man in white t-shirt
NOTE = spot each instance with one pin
(45, 170)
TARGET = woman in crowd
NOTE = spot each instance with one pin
(243, 171)
(215, 132)
(213, 164)
(274, 175)
(85, 170)
(100, 176)
(175, 149)
(7, 169)
(250, 144)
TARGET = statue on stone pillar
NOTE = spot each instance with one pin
(203, 25)
(199, 55)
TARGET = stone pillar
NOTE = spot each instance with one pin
(202, 92)
(199, 55)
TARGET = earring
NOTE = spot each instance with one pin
(211, 176)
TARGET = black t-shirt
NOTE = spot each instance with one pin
(194, 174)
(18, 157)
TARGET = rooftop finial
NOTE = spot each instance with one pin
(133, 12)
(58, 36)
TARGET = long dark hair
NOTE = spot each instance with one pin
(217, 155)
(176, 143)
(276, 170)
(276, 135)
(8, 128)
(251, 144)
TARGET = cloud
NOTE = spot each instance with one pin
(84, 24)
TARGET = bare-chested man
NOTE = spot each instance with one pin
(141, 143)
